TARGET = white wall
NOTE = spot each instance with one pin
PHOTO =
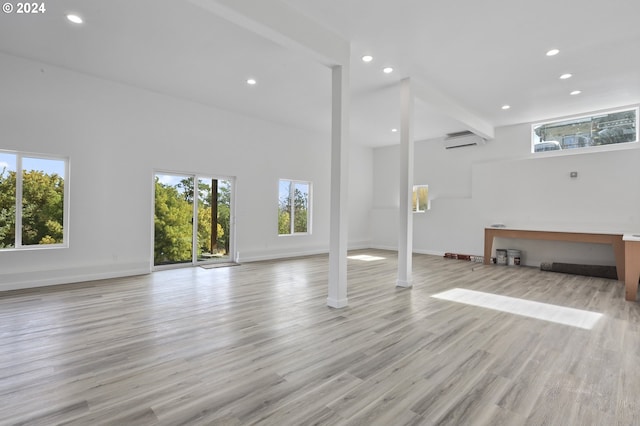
(502, 182)
(360, 196)
(116, 136)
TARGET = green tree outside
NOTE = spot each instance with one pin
(173, 224)
(42, 208)
(300, 215)
(300, 212)
(224, 216)
(7, 209)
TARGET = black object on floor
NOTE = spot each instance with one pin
(586, 270)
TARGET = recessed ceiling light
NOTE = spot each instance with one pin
(367, 58)
(565, 76)
(506, 106)
(72, 17)
(575, 92)
(251, 82)
(553, 52)
(394, 130)
(387, 70)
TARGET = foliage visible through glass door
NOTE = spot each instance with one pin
(214, 213)
(173, 219)
(177, 220)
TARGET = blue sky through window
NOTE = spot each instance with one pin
(284, 190)
(170, 180)
(175, 180)
(49, 166)
(7, 161)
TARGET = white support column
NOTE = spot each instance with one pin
(405, 223)
(339, 203)
(282, 24)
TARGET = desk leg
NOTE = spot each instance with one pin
(619, 253)
(632, 273)
(488, 246)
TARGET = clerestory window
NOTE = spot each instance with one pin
(609, 128)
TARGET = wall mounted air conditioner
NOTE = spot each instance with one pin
(462, 139)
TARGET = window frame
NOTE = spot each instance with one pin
(586, 149)
(292, 186)
(416, 199)
(19, 157)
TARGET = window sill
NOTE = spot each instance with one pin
(587, 150)
(35, 248)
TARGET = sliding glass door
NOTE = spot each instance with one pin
(214, 219)
(192, 219)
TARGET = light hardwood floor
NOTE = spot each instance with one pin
(256, 344)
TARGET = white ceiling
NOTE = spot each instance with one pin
(482, 54)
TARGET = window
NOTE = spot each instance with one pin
(33, 201)
(609, 128)
(294, 212)
(420, 199)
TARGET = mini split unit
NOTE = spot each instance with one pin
(462, 139)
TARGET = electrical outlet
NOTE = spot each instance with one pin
(573, 174)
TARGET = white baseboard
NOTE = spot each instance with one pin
(24, 280)
(246, 257)
(430, 252)
(359, 245)
(418, 251)
(384, 247)
(257, 256)
(43, 278)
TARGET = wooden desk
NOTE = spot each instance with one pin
(615, 240)
(632, 262)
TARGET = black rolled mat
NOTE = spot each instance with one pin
(586, 270)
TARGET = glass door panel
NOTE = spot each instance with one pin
(173, 219)
(214, 219)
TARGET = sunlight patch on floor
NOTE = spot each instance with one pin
(527, 308)
(365, 257)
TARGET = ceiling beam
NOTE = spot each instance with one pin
(446, 105)
(283, 25)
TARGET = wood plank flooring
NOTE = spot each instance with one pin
(256, 344)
